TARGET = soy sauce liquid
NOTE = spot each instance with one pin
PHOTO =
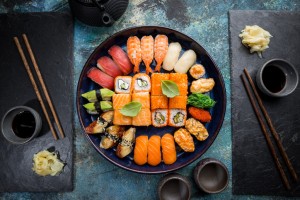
(274, 78)
(23, 124)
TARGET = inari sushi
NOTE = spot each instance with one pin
(141, 83)
(182, 82)
(160, 117)
(140, 150)
(143, 98)
(154, 153)
(156, 79)
(120, 119)
(177, 117)
(168, 149)
(123, 84)
(178, 102)
(120, 100)
(160, 101)
(143, 118)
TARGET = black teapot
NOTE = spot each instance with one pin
(98, 12)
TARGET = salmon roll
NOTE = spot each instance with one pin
(177, 117)
(143, 98)
(160, 117)
(120, 100)
(123, 84)
(143, 118)
(156, 79)
(120, 119)
(154, 153)
(140, 151)
(168, 149)
(141, 83)
(160, 101)
(182, 82)
(178, 102)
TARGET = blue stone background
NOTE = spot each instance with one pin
(207, 23)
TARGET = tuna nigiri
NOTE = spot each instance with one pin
(107, 65)
(134, 52)
(160, 50)
(172, 56)
(101, 78)
(168, 149)
(121, 59)
(147, 46)
(154, 153)
(185, 62)
(140, 150)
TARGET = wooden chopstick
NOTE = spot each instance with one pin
(37, 92)
(39, 75)
(273, 131)
(265, 132)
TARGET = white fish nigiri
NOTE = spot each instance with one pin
(172, 56)
(185, 62)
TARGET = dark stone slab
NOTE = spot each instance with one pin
(254, 170)
(51, 38)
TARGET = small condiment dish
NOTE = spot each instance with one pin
(211, 175)
(277, 78)
(21, 124)
(174, 186)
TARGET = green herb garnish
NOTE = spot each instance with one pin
(169, 88)
(200, 100)
(131, 109)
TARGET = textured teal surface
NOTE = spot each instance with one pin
(206, 22)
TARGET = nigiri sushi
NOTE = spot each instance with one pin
(134, 52)
(160, 50)
(121, 59)
(108, 66)
(172, 56)
(185, 62)
(101, 78)
(98, 95)
(112, 136)
(97, 107)
(97, 126)
(168, 149)
(147, 46)
(140, 150)
(154, 153)
(184, 139)
(197, 129)
(125, 147)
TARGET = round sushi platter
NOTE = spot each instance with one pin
(217, 112)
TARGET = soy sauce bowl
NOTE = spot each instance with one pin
(277, 78)
(7, 125)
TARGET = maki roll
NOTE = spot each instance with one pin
(98, 95)
(143, 98)
(177, 117)
(141, 83)
(120, 119)
(160, 117)
(178, 102)
(123, 84)
(143, 118)
(182, 82)
(156, 79)
(119, 100)
(160, 101)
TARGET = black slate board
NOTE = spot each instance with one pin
(254, 171)
(51, 38)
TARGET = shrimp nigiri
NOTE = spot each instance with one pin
(140, 150)
(147, 46)
(154, 153)
(160, 50)
(134, 52)
(168, 149)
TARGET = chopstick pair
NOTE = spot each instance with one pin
(265, 132)
(35, 87)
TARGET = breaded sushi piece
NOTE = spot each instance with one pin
(177, 117)
(202, 85)
(120, 119)
(123, 84)
(178, 102)
(125, 147)
(156, 79)
(160, 117)
(120, 100)
(184, 139)
(154, 152)
(159, 102)
(197, 129)
(143, 118)
(141, 83)
(168, 149)
(182, 82)
(143, 98)
(140, 151)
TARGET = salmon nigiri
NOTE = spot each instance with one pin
(168, 149)
(147, 47)
(134, 52)
(140, 150)
(154, 153)
(160, 50)
(121, 59)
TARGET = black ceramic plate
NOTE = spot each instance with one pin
(218, 94)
